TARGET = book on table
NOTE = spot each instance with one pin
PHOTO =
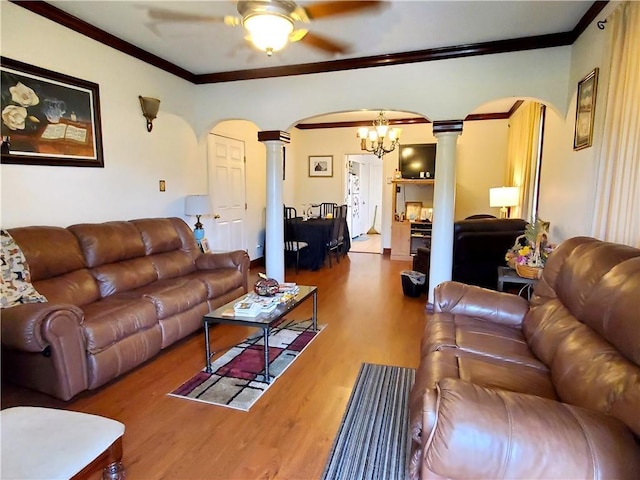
(247, 309)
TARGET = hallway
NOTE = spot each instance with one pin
(367, 244)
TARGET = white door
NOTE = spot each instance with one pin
(227, 192)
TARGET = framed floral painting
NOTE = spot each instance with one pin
(48, 118)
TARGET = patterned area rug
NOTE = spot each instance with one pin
(373, 440)
(237, 380)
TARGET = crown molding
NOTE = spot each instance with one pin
(54, 14)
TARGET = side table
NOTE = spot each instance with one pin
(509, 275)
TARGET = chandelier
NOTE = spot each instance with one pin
(376, 137)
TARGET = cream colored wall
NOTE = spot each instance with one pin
(568, 178)
(481, 164)
(135, 160)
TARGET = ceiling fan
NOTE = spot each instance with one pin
(271, 23)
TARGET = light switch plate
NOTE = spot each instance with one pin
(163, 185)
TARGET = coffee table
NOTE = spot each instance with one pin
(265, 321)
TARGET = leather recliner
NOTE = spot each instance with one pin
(548, 388)
(479, 246)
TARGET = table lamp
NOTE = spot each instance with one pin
(503, 197)
(196, 206)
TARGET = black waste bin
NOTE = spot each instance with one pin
(413, 283)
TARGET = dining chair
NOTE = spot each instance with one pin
(326, 208)
(336, 241)
(340, 211)
(292, 246)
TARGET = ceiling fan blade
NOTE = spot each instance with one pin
(323, 43)
(174, 16)
(328, 9)
(298, 35)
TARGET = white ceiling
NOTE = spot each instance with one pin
(203, 47)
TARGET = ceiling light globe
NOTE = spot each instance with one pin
(269, 32)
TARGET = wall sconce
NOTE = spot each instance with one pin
(150, 107)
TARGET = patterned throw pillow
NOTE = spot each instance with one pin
(16, 279)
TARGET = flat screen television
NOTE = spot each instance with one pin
(418, 160)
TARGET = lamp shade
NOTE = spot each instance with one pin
(503, 197)
(195, 205)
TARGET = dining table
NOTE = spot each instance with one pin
(316, 232)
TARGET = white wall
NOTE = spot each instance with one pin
(135, 160)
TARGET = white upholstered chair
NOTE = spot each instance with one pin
(39, 443)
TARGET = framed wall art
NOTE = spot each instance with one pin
(413, 210)
(585, 111)
(48, 118)
(321, 166)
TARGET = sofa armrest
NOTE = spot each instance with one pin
(48, 335)
(31, 326)
(238, 259)
(485, 433)
(470, 300)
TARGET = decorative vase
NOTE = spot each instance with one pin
(265, 286)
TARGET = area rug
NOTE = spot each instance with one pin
(373, 440)
(237, 380)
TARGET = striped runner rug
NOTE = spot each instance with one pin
(373, 440)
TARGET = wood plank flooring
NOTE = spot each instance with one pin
(289, 432)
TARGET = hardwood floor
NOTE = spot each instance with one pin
(289, 432)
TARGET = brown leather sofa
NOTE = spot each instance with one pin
(543, 389)
(117, 293)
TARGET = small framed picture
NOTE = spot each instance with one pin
(585, 111)
(413, 210)
(321, 166)
(204, 246)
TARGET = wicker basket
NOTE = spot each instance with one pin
(525, 271)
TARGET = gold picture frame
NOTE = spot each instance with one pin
(204, 246)
(585, 111)
(412, 210)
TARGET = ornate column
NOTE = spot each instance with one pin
(274, 229)
(444, 199)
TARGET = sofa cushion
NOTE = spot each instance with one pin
(124, 276)
(42, 247)
(112, 319)
(158, 235)
(220, 281)
(613, 308)
(172, 264)
(75, 288)
(109, 242)
(446, 330)
(172, 296)
(584, 270)
(590, 372)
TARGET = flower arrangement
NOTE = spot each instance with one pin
(531, 250)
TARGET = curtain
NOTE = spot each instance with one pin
(522, 154)
(617, 201)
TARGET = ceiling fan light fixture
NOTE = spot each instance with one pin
(269, 32)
